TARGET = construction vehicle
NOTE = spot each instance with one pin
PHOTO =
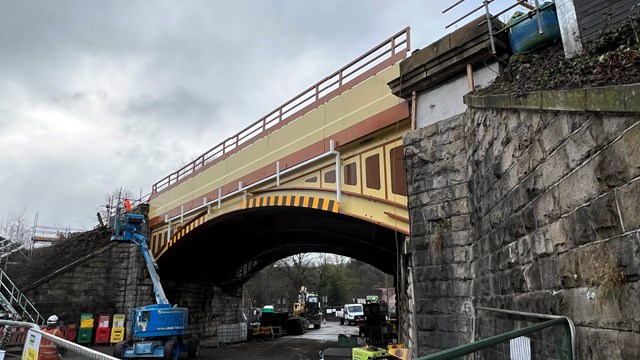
(285, 322)
(308, 307)
(306, 311)
(157, 330)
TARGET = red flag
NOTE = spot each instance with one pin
(127, 205)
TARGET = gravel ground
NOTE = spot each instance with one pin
(289, 347)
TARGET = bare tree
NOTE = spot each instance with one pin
(298, 269)
(112, 201)
(334, 259)
(336, 278)
(16, 228)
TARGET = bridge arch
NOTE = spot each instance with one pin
(322, 173)
(372, 188)
(231, 248)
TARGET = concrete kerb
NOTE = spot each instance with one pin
(620, 98)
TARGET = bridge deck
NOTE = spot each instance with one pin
(347, 127)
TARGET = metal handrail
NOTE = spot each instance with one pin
(476, 345)
(15, 249)
(17, 297)
(489, 17)
(572, 327)
(494, 340)
(399, 43)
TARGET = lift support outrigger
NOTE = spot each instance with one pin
(157, 330)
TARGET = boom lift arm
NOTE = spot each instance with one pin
(130, 231)
(157, 330)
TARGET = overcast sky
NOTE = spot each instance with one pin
(101, 95)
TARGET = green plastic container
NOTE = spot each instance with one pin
(85, 331)
(84, 335)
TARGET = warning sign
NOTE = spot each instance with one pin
(31, 346)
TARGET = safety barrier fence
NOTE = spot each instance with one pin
(514, 335)
(18, 339)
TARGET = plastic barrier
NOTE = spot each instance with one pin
(117, 330)
(70, 331)
(103, 331)
(86, 329)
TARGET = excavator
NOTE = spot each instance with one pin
(306, 311)
(308, 307)
(157, 330)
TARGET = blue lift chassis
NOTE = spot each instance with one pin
(157, 330)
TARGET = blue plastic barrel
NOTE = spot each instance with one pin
(524, 35)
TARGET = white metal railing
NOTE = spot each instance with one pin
(15, 302)
(10, 249)
(243, 189)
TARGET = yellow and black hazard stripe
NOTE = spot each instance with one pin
(185, 229)
(300, 201)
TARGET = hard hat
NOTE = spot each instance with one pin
(53, 319)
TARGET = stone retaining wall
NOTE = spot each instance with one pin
(114, 279)
(101, 283)
(530, 210)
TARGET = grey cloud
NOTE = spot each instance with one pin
(167, 80)
(173, 107)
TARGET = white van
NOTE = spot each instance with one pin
(350, 314)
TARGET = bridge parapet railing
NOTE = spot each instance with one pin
(383, 55)
(505, 334)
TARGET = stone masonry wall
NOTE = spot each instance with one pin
(528, 210)
(436, 158)
(114, 280)
(555, 212)
(95, 286)
(208, 305)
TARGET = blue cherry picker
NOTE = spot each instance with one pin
(157, 330)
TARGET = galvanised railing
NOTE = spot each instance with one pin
(552, 338)
(16, 303)
(383, 55)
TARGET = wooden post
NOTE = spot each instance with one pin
(470, 77)
(526, 5)
(413, 109)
